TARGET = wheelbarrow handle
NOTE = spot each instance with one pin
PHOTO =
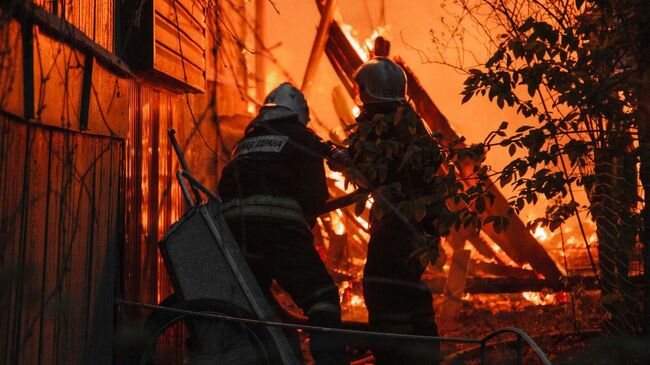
(181, 158)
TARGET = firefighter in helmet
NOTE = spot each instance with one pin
(273, 190)
(396, 298)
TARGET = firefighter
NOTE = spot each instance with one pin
(397, 299)
(273, 189)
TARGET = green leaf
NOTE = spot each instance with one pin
(480, 204)
(512, 149)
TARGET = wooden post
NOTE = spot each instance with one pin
(260, 66)
(317, 49)
(455, 286)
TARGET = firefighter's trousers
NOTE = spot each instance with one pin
(397, 299)
(284, 251)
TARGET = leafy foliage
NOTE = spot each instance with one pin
(578, 72)
(574, 71)
(410, 174)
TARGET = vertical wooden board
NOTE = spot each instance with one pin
(34, 250)
(45, 4)
(73, 258)
(72, 12)
(11, 77)
(104, 13)
(102, 289)
(60, 299)
(83, 16)
(91, 149)
(12, 163)
(54, 240)
(211, 59)
(87, 167)
(58, 75)
(109, 108)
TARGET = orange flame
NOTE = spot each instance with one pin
(539, 298)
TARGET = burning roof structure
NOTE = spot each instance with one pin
(345, 56)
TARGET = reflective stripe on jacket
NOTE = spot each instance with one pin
(264, 206)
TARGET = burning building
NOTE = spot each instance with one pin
(89, 90)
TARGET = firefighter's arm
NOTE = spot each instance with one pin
(313, 181)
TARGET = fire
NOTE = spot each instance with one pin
(540, 233)
(356, 300)
(337, 223)
(365, 48)
(350, 34)
(380, 31)
(539, 298)
(363, 223)
(339, 181)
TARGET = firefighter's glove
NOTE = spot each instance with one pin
(338, 158)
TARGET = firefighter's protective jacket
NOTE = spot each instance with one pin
(276, 172)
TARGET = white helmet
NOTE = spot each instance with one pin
(283, 101)
(381, 80)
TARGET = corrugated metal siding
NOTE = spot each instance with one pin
(153, 196)
(61, 222)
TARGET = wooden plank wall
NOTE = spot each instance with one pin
(93, 17)
(60, 211)
(179, 36)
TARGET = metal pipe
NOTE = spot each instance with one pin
(524, 336)
(484, 357)
(259, 322)
(519, 350)
(186, 194)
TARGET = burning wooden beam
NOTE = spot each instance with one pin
(487, 268)
(318, 47)
(516, 241)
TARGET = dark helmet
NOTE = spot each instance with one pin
(380, 80)
(284, 100)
